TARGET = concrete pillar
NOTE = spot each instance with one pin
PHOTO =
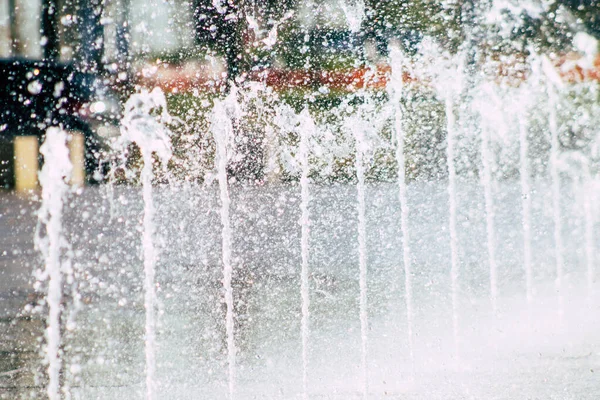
(77, 155)
(26, 163)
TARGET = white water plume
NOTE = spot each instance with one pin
(492, 116)
(396, 96)
(144, 123)
(361, 129)
(354, 11)
(553, 84)
(222, 126)
(306, 129)
(445, 74)
(362, 250)
(54, 178)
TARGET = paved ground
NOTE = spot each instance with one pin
(17, 255)
(19, 350)
(512, 357)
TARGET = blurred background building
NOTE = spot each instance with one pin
(106, 34)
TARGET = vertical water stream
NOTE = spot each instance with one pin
(556, 188)
(222, 130)
(454, 261)
(362, 252)
(53, 179)
(525, 205)
(307, 129)
(486, 161)
(396, 88)
(143, 123)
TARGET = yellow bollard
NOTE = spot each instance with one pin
(77, 155)
(26, 163)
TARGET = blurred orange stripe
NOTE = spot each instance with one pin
(172, 79)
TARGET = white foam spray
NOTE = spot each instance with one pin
(590, 248)
(553, 82)
(143, 123)
(396, 88)
(307, 130)
(454, 260)
(486, 180)
(358, 128)
(525, 205)
(54, 178)
(354, 12)
(446, 72)
(222, 130)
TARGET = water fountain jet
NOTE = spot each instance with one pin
(144, 125)
(54, 178)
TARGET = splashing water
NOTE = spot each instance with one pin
(306, 130)
(454, 260)
(553, 84)
(447, 80)
(590, 237)
(525, 205)
(354, 12)
(578, 166)
(357, 128)
(54, 178)
(144, 123)
(418, 162)
(396, 83)
(224, 112)
(487, 183)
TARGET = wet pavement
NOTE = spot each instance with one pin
(21, 331)
(512, 357)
